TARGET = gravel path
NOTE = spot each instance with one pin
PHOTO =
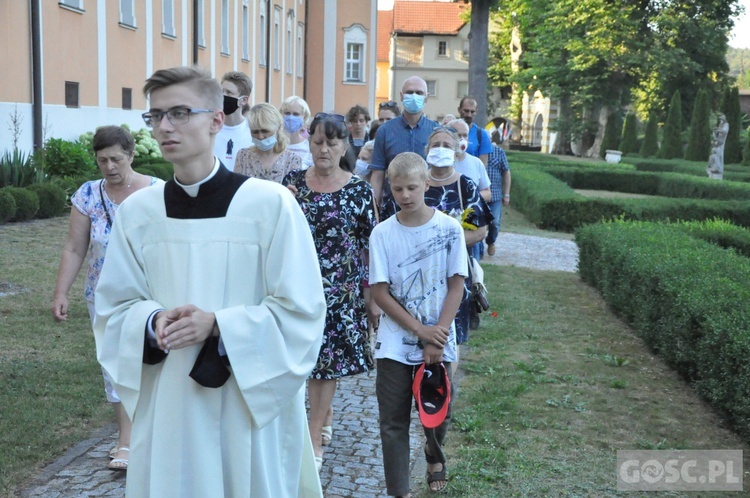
(528, 251)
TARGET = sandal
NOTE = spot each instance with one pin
(318, 463)
(113, 451)
(326, 434)
(119, 463)
(436, 476)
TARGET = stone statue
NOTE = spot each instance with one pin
(715, 168)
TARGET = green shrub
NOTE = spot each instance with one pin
(52, 199)
(699, 140)
(629, 142)
(671, 145)
(7, 206)
(746, 150)
(27, 203)
(64, 158)
(685, 296)
(18, 170)
(650, 145)
(733, 113)
(611, 134)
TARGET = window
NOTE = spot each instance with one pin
(355, 46)
(262, 34)
(465, 51)
(225, 27)
(354, 61)
(201, 17)
(462, 89)
(245, 31)
(408, 51)
(127, 98)
(277, 38)
(300, 52)
(73, 4)
(127, 13)
(289, 47)
(71, 94)
(167, 12)
(442, 49)
(432, 87)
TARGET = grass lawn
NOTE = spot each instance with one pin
(551, 388)
(51, 390)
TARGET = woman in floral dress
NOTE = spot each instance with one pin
(269, 158)
(94, 207)
(341, 212)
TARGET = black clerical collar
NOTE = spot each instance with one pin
(212, 201)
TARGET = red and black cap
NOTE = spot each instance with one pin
(432, 392)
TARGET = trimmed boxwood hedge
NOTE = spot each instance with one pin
(684, 296)
(52, 199)
(27, 203)
(551, 203)
(7, 206)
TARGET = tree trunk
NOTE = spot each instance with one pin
(593, 151)
(478, 57)
(562, 144)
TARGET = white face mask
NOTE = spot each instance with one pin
(463, 144)
(441, 157)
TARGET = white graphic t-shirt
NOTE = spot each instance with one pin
(416, 262)
(229, 141)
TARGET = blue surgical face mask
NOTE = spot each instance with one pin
(266, 143)
(413, 103)
(292, 123)
(361, 167)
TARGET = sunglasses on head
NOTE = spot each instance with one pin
(334, 117)
(444, 128)
(387, 104)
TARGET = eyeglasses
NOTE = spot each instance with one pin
(390, 103)
(175, 115)
(334, 117)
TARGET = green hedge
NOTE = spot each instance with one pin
(7, 206)
(52, 199)
(551, 203)
(686, 297)
(27, 203)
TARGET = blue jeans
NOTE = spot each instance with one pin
(496, 208)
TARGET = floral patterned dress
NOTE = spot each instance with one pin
(89, 202)
(248, 163)
(447, 199)
(340, 223)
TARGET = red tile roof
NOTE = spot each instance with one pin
(429, 18)
(385, 28)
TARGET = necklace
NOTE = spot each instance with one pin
(442, 179)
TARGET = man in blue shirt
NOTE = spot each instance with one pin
(499, 173)
(406, 133)
(480, 144)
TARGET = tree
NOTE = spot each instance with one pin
(629, 142)
(650, 145)
(671, 145)
(733, 113)
(610, 141)
(479, 55)
(746, 150)
(699, 140)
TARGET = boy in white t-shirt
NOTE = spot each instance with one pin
(418, 263)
